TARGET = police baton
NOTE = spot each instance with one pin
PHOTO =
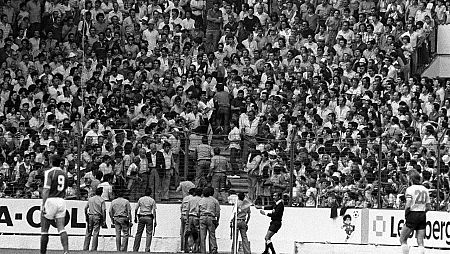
(231, 230)
(154, 228)
(130, 226)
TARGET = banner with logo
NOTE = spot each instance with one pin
(314, 225)
(385, 227)
(23, 216)
(301, 225)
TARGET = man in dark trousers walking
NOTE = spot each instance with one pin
(243, 217)
(120, 213)
(95, 212)
(184, 213)
(145, 216)
(276, 215)
(192, 228)
(209, 211)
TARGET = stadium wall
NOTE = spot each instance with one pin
(19, 228)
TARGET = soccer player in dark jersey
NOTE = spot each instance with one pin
(53, 204)
(276, 217)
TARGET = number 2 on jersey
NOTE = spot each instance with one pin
(421, 197)
(61, 180)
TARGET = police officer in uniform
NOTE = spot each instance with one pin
(184, 212)
(219, 167)
(243, 216)
(120, 214)
(276, 215)
(95, 212)
(209, 213)
(145, 216)
(193, 223)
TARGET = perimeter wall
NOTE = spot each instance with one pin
(19, 228)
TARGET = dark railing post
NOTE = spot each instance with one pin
(186, 154)
(79, 166)
(438, 184)
(380, 161)
(291, 162)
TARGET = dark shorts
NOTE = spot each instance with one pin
(416, 220)
(275, 226)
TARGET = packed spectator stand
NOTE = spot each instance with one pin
(321, 100)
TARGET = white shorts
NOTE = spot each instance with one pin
(55, 208)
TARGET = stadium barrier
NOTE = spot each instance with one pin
(20, 220)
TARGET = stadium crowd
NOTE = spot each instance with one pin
(142, 89)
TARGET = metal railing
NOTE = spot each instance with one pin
(311, 172)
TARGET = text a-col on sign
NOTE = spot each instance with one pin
(385, 227)
(23, 216)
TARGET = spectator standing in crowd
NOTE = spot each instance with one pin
(214, 23)
(209, 213)
(222, 99)
(145, 217)
(253, 170)
(235, 148)
(120, 214)
(154, 156)
(95, 212)
(165, 164)
(107, 188)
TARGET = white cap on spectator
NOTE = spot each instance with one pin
(71, 54)
(273, 153)
(446, 159)
(260, 147)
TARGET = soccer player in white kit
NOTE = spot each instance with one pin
(417, 205)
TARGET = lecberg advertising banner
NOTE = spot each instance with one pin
(385, 227)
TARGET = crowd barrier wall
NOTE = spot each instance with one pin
(20, 227)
